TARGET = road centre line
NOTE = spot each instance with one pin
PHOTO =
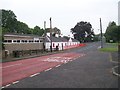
(48, 69)
(58, 65)
(34, 74)
(7, 85)
(15, 82)
(2, 87)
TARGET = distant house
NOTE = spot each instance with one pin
(60, 42)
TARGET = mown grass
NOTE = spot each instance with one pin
(112, 47)
(109, 49)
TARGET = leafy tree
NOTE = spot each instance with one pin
(22, 28)
(8, 21)
(38, 31)
(54, 30)
(112, 32)
(83, 31)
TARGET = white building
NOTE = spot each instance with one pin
(60, 42)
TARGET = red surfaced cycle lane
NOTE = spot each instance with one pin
(16, 70)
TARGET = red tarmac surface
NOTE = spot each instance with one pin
(16, 70)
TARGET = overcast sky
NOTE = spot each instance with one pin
(65, 13)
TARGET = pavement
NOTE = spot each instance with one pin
(84, 67)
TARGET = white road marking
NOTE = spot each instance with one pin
(11, 65)
(34, 74)
(3, 87)
(15, 82)
(58, 65)
(113, 70)
(48, 69)
(8, 85)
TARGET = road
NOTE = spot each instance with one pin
(83, 67)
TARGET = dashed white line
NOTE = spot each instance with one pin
(48, 69)
(58, 65)
(34, 74)
(2, 87)
(15, 82)
(8, 85)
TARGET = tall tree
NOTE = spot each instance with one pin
(22, 28)
(82, 30)
(38, 31)
(8, 21)
(112, 32)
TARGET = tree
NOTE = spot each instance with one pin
(21, 28)
(83, 31)
(38, 31)
(54, 30)
(8, 21)
(112, 32)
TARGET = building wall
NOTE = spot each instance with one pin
(23, 46)
(59, 44)
(19, 42)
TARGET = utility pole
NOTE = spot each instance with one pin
(51, 34)
(44, 35)
(45, 28)
(101, 33)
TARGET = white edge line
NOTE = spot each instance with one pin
(34, 74)
(15, 82)
(48, 69)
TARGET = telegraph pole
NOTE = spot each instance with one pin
(44, 36)
(101, 33)
(51, 34)
(45, 28)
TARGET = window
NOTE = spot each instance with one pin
(14, 41)
(18, 41)
(22, 41)
(53, 45)
(36, 41)
(9, 41)
(30, 41)
(26, 41)
(5, 41)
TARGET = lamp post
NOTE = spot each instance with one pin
(50, 34)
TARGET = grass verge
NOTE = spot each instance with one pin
(109, 49)
(112, 47)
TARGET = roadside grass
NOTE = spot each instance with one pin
(112, 47)
(109, 49)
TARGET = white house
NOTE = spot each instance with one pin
(60, 42)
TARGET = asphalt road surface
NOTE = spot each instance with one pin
(83, 67)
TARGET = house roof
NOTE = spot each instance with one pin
(59, 39)
(74, 40)
(22, 35)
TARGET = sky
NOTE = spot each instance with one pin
(65, 14)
